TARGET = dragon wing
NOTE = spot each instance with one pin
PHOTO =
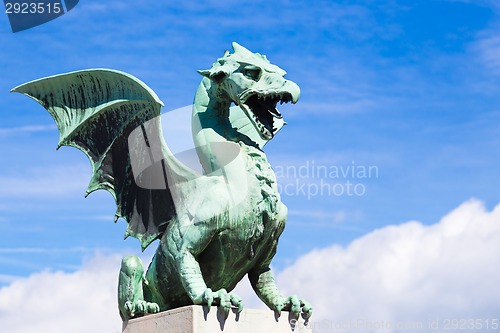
(113, 118)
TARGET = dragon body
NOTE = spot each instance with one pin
(214, 228)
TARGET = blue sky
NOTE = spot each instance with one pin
(409, 87)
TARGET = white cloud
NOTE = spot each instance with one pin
(52, 302)
(409, 273)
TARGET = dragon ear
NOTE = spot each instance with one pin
(204, 72)
(215, 76)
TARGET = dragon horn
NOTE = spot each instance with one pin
(240, 49)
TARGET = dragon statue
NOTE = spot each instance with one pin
(214, 228)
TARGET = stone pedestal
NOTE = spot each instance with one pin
(196, 319)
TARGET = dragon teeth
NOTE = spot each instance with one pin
(275, 113)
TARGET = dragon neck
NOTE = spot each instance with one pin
(211, 124)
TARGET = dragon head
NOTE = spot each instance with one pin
(250, 81)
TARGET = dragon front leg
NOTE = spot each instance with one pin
(262, 281)
(130, 290)
(190, 245)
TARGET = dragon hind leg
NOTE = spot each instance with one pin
(131, 300)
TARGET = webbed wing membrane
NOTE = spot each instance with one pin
(95, 111)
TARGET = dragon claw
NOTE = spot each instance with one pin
(128, 307)
(306, 311)
(140, 307)
(153, 308)
(296, 306)
(237, 302)
(222, 299)
(224, 302)
(278, 305)
(208, 298)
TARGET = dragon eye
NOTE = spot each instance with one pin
(252, 73)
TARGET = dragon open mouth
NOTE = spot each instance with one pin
(261, 109)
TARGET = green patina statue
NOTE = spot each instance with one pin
(213, 227)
